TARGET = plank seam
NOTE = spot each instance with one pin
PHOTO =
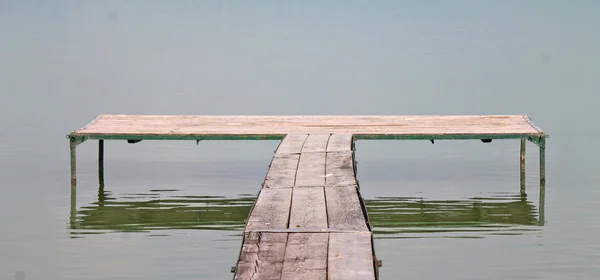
(307, 136)
(298, 164)
(292, 195)
(319, 186)
(326, 212)
(287, 239)
(327, 256)
(306, 230)
(283, 139)
(325, 195)
(287, 224)
(309, 152)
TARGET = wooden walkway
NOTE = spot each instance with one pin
(309, 221)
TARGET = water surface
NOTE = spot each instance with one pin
(175, 210)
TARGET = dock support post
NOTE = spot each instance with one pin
(523, 144)
(542, 179)
(542, 203)
(73, 147)
(73, 209)
(101, 162)
(543, 162)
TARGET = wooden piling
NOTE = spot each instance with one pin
(523, 145)
(542, 180)
(543, 162)
(73, 149)
(101, 162)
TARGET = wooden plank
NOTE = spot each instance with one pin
(284, 125)
(340, 143)
(311, 170)
(344, 210)
(339, 169)
(306, 256)
(291, 144)
(316, 143)
(262, 256)
(271, 210)
(282, 172)
(350, 256)
(308, 208)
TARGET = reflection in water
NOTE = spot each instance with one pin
(415, 217)
(159, 210)
(391, 217)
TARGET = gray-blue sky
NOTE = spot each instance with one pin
(389, 57)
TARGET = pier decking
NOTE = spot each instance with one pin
(309, 220)
(239, 127)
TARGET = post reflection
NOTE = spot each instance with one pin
(476, 217)
(158, 210)
(391, 217)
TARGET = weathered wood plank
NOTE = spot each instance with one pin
(306, 256)
(271, 210)
(311, 170)
(291, 144)
(344, 210)
(282, 172)
(340, 143)
(350, 256)
(308, 208)
(260, 126)
(316, 143)
(262, 256)
(339, 169)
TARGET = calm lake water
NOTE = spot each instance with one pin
(175, 210)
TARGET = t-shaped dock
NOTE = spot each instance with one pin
(309, 220)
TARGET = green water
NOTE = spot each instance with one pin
(175, 210)
(392, 217)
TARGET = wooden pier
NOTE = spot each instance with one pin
(309, 220)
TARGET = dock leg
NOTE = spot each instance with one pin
(73, 209)
(101, 162)
(73, 147)
(542, 204)
(542, 179)
(543, 162)
(523, 144)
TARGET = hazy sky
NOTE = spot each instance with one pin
(303, 57)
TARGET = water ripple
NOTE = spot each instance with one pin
(391, 217)
(415, 217)
(160, 210)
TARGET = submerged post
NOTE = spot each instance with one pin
(101, 162)
(542, 180)
(542, 162)
(73, 148)
(523, 144)
(542, 203)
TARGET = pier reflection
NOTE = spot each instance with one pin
(391, 217)
(416, 217)
(158, 210)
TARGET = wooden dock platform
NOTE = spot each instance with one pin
(276, 127)
(309, 220)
